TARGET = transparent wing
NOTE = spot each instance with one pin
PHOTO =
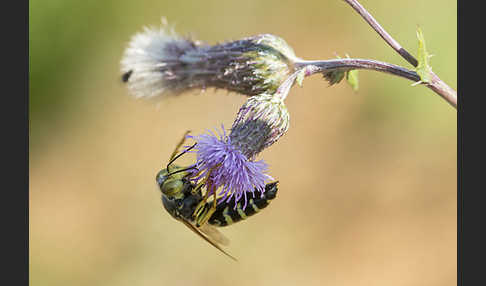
(214, 233)
(206, 238)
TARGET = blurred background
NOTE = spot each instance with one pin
(368, 183)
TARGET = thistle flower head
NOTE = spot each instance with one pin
(158, 61)
(260, 122)
(277, 44)
(228, 161)
(227, 167)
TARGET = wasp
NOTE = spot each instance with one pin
(184, 201)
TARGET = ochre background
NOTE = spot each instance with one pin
(368, 183)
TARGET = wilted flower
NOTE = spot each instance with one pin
(159, 61)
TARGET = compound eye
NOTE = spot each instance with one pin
(172, 187)
(161, 177)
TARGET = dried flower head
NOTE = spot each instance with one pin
(158, 61)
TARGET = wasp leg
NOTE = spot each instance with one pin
(205, 217)
(200, 207)
(201, 214)
(197, 188)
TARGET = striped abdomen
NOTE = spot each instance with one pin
(226, 214)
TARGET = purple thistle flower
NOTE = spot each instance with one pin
(228, 162)
(230, 168)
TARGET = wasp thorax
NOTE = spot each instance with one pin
(260, 122)
(158, 61)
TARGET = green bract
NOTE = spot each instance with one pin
(423, 68)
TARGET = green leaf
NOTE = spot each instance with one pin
(337, 76)
(334, 77)
(352, 79)
(423, 68)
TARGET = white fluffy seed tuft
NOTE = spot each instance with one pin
(145, 61)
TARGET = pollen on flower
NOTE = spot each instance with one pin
(228, 168)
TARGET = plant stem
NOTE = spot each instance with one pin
(384, 35)
(325, 66)
(435, 84)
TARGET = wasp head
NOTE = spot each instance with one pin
(172, 184)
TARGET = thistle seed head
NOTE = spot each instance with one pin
(158, 61)
(151, 60)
